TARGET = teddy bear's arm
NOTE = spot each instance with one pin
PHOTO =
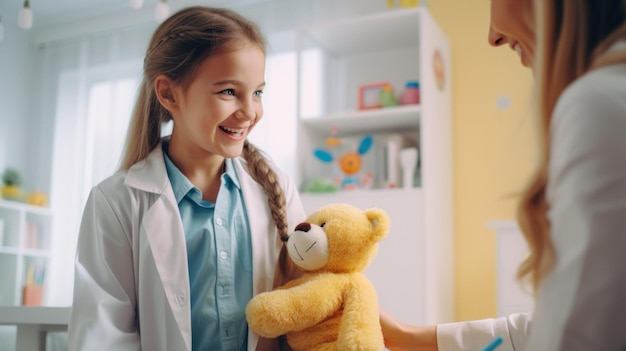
(360, 326)
(307, 302)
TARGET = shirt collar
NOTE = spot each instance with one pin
(231, 173)
(182, 186)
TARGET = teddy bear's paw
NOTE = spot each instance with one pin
(334, 346)
(365, 344)
(266, 320)
(362, 338)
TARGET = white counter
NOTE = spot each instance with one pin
(33, 323)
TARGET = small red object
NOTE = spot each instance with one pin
(411, 93)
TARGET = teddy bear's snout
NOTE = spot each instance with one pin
(303, 227)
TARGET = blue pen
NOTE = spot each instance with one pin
(492, 345)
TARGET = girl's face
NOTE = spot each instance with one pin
(512, 23)
(222, 104)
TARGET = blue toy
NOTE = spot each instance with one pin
(350, 163)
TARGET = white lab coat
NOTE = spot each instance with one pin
(131, 273)
(580, 303)
(474, 335)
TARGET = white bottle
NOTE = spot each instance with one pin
(392, 150)
(393, 143)
(408, 162)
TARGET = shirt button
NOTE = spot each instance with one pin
(223, 255)
(219, 221)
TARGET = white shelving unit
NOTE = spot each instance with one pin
(26, 242)
(413, 272)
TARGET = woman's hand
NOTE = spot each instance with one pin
(401, 336)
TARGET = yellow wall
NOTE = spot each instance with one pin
(493, 148)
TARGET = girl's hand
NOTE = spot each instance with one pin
(400, 336)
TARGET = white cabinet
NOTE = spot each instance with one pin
(511, 251)
(413, 272)
(25, 241)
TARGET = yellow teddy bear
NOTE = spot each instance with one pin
(333, 306)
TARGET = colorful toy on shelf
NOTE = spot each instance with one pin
(409, 3)
(369, 95)
(387, 98)
(411, 93)
(350, 162)
(12, 180)
(321, 185)
(403, 3)
(37, 198)
(333, 141)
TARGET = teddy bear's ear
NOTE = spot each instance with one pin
(380, 222)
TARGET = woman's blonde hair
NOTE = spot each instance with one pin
(177, 48)
(572, 39)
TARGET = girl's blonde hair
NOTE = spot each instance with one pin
(177, 48)
(572, 39)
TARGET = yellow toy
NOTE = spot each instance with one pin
(403, 3)
(333, 306)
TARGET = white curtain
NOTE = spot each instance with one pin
(276, 133)
(92, 86)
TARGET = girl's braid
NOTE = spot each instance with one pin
(264, 175)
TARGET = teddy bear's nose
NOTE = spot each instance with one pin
(303, 227)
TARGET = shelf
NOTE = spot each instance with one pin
(8, 250)
(335, 60)
(29, 315)
(401, 117)
(36, 253)
(21, 206)
(27, 239)
(364, 196)
(382, 31)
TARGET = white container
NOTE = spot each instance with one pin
(408, 162)
(392, 144)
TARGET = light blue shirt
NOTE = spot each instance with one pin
(219, 256)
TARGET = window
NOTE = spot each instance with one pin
(93, 110)
(276, 133)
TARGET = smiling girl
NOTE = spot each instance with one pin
(174, 245)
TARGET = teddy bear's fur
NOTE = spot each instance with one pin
(333, 306)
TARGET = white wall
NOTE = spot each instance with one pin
(17, 54)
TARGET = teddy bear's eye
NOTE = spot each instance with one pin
(323, 224)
